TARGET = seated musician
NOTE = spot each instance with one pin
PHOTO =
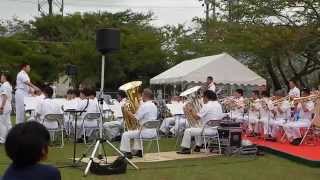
(48, 106)
(113, 128)
(211, 110)
(266, 114)
(171, 125)
(282, 114)
(302, 119)
(147, 111)
(237, 111)
(253, 113)
(294, 92)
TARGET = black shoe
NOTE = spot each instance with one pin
(138, 153)
(197, 149)
(80, 140)
(184, 151)
(127, 155)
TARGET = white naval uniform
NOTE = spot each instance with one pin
(90, 106)
(71, 104)
(292, 129)
(294, 92)
(266, 115)
(254, 115)
(146, 112)
(113, 128)
(212, 87)
(238, 112)
(280, 118)
(175, 123)
(22, 90)
(48, 106)
(5, 122)
(210, 111)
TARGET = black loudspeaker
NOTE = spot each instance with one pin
(108, 40)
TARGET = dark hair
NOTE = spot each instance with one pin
(293, 81)
(70, 91)
(210, 78)
(24, 65)
(256, 92)
(86, 92)
(48, 91)
(8, 76)
(76, 92)
(122, 94)
(25, 143)
(306, 90)
(210, 95)
(265, 94)
(240, 91)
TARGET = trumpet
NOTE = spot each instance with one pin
(305, 99)
(279, 101)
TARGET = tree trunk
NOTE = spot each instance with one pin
(273, 75)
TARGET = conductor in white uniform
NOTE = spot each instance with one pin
(211, 110)
(23, 88)
(210, 84)
(146, 112)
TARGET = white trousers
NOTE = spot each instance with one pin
(173, 124)
(292, 129)
(5, 125)
(125, 145)
(195, 132)
(275, 126)
(113, 128)
(20, 111)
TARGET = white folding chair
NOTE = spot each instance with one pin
(90, 117)
(60, 121)
(211, 125)
(155, 124)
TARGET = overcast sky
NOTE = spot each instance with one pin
(166, 11)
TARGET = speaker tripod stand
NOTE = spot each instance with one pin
(99, 143)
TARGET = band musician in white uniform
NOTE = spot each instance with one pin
(48, 106)
(210, 84)
(237, 110)
(147, 111)
(23, 88)
(211, 110)
(5, 106)
(302, 119)
(294, 91)
(113, 128)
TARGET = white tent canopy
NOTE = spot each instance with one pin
(223, 68)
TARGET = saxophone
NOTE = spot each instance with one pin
(133, 95)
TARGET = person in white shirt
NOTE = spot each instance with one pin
(48, 106)
(294, 91)
(177, 121)
(237, 110)
(23, 89)
(282, 114)
(253, 113)
(5, 106)
(89, 105)
(266, 115)
(210, 84)
(113, 128)
(303, 117)
(147, 111)
(211, 110)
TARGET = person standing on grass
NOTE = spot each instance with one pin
(24, 87)
(5, 106)
(27, 145)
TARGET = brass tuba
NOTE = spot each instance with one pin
(195, 102)
(132, 91)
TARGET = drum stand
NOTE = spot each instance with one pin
(99, 143)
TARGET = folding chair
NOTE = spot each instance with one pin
(60, 121)
(155, 124)
(313, 130)
(211, 125)
(90, 117)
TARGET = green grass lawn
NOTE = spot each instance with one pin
(268, 167)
